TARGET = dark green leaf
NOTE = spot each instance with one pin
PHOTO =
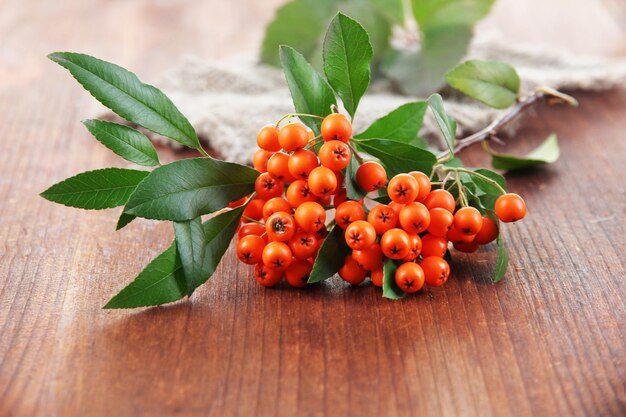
(445, 123)
(331, 256)
(347, 55)
(402, 124)
(487, 192)
(398, 157)
(494, 83)
(201, 246)
(502, 261)
(546, 153)
(353, 191)
(121, 91)
(124, 141)
(310, 92)
(390, 289)
(124, 220)
(96, 190)
(186, 189)
(299, 23)
(162, 281)
(423, 73)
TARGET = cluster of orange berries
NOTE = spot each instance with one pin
(283, 226)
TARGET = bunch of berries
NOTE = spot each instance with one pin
(285, 223)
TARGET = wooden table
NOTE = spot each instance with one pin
(547, 341)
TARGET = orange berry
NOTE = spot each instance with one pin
(250, 249)
(293, 136)
(310, 216)
(298, 273)
(274, 205)
(415, 248)
(434, 246)
(440, 198)
(260, 158)
(267, 187)
(303, 245)
(278, 167)
(351, 272)
(377, 277)
(424, 184)
(468, 220)
(403, 188)
(371, 176)
(277, 255)
(414, 218)
(348, 212)
(466, 247)
(322, 181)
(298, 192)
(301, 163)
(455, 236)
(370, 258)
(487, 233)
(336, 127)
(360, 235)
(436, 271)
(335, 155)
(267, 277)
(280, 226)
(395, 244)
(252, 228)
(267, 138)
(409, 277)
(440, 222)
(383, 218)
(254, 209)
(510, 207)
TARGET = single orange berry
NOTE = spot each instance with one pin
(370, 258)
(441, 199)
(335, 155)
(254, 210)
(434, 246)
(360, 235)
(455, 236)
(414, 218)
(322, 181)
(415, 248)
(377, 277)
(267, 138)
(277, 255)
(403, 188)
(260, 158)
(252, 228)
(351, 272)
(310, 216)
(250, 249)
(293, 136)
(488, 233)
(468, 220)
(303, 245)
(510, 207)
(348, 212)
(280, 226)
(274, 205)
(436, 270)
(298, 192)
(336, 127)
(267, 187)
(267, 277)
(298, 273)
(301, 163)
(278, 167)
(440, 222)
(383, 218)
(409, 277)
(395, 244)
(371, 176)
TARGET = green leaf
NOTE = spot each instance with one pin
(186, 189)
(347, 55)
(487, 192)
(546, 153)
(121, 91)
(402, 124)
(502, 261)
(353, 191)
(310, 92)
(398, 157)
(422, 73)
(162, 281)
(390, 289)
(445, 13)
(201, 246)
(331, 256)
(96, 190)
(124, 141)
(445, 123)
(299, 23)
(494, 83)
(124, 220)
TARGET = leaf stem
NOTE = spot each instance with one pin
(548, 94)
(290, 115)
(356, 154)
(203, 152)
(481, 176)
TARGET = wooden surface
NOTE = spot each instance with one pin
(547, 341)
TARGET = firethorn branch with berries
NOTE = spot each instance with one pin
(321, 200)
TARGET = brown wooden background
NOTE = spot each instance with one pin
(549, 340)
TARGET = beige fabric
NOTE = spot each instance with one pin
(228, 101)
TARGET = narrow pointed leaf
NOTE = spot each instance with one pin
(502, 262)
(331, 256)
(347, 56)
(402, 124)
(96, 190)
(445, 123)
(494, 83)
(189, 188)
(310, 92)
(124, 220)
(201, 246)
(162, 281)
(121, 91)
(546, 153)
(124, 141)
(398, 157)
(390, 289)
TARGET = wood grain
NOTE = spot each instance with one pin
(547, 341)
